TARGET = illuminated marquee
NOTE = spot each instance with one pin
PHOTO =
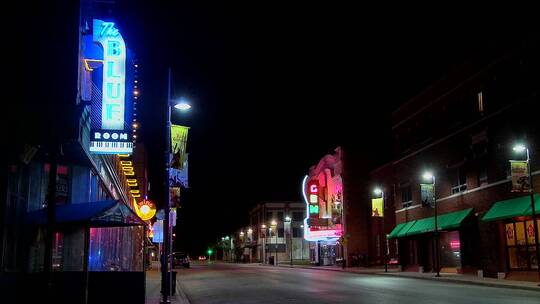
(111, 136)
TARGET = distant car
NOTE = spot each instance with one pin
(180, 258)
(202, 258)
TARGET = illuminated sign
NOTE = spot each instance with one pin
(377, 207)
(110, 136)
(145, 209)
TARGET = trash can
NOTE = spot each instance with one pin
(271, 260)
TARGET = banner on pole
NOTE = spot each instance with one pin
(520, 176)
(377, 207)
(179, 136)
(427, 192)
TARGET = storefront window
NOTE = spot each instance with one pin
(116, 249)
(450, 249)
(521, 247)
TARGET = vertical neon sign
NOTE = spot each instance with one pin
(114, 74)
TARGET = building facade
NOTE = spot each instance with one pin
(275, 233)
(462, 130)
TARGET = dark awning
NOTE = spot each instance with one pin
(94, 214)
(447, 221)
(519, 206)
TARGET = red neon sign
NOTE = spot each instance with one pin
(455, 244)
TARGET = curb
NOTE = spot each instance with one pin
(537, 289)
(181, 297)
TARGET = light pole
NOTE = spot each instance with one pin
(428, 176)
(302, 243)
(289, 237)
(167, 240)
(380, 192)
(274, 224)
(263, 233)
(520, 149)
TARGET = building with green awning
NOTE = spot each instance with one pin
(448, 221)
(519, 206)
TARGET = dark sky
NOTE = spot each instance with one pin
(274, 87)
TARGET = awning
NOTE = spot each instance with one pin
(401, 229)
(94, 214)
(448, 221)
(519, 206)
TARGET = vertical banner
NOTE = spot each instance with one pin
(179, 136)
(158, 232)
(174, 194)
(179, 178)
(377, 207)
(520, 176)
(427, 195)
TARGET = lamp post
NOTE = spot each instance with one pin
(302, 243)
(263, 233)
(380, 192)
(428, 176)
(274, 224)
(520, 149)
(167, 240)
(289, 237)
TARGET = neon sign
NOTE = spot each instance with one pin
(110, 136)
(145, 209)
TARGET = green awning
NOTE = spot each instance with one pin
(446, 221)
(518, 206)
(396, 232)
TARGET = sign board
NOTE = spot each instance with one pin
(427, 194)
(377, 207)
(520, 176)
(110, 130)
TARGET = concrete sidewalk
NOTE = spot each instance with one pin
(445, 277)
(153, 288)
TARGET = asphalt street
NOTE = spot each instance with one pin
(231, 283)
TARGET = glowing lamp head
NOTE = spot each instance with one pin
(263, 226)
(428, 176)
(377, 191)
(241, 233)
(519, 148)
(288, 218)
(274, 223)
(182, 105)
(250, 230)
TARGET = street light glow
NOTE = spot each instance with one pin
(274, 223)
(263, 226)
(288, 218)
(519, 148)
(250, 230)
(377, 191)
(428, 175)
(182, 105)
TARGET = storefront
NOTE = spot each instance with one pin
(416, 242)
(514, 216)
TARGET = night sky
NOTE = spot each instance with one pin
(273, 87)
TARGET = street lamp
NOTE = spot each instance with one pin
(379, 192)
(302, 242)
(428, 176)
(520, 148)
(263, 231)
(167, 240)
(288, 233)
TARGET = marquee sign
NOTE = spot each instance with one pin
(110, 134)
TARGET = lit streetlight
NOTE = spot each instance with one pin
(429, 177)
(520, 148)
(167, 243)
(379, 192)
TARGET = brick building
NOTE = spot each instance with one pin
(462, 129)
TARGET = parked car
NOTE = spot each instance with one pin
(180, 258)
(202, 258)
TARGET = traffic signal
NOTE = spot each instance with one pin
(209, 251)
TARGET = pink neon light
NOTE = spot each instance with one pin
(455, 244)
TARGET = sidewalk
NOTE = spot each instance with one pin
(153, 288)
(445, 277)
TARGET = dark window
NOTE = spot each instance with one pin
(269, 216)
(482, 175)
(458, 179)
(297, 232)
(280, 232)
(280, 216)
(298, 216)
(406, 196)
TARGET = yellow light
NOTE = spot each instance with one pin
(145, 209)
(136, 92)
(135, 125)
